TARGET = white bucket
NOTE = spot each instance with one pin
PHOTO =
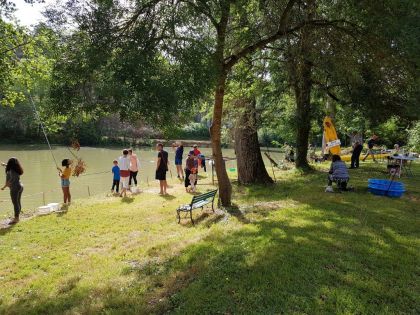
(134, 190)
(54, 206)
(44, 209)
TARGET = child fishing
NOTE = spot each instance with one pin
(65, 174)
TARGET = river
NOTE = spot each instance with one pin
(41, 181)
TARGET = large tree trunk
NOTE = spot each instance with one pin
(225, 188)
(251, 168)
(302, 84)
(302, 89)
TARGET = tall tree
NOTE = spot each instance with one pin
(225, 30)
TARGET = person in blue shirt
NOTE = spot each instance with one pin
(116, 178)
(179, 151)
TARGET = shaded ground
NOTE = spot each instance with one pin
(289, 248)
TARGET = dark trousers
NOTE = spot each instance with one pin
(133, 176)
(355, 157)
(16, 195)
(116, 184)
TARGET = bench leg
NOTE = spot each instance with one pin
(179, 216)
(192, 221)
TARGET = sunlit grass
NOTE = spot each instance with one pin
(287, 248)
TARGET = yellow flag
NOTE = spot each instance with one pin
(332, 143)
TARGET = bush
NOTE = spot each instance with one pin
(414, 137)
(193, 131)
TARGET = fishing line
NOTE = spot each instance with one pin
(42, 128)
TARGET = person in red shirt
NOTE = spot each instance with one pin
(197, 153)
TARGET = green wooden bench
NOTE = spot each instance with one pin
(197, 202)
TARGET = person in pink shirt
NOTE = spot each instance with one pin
(134, 167)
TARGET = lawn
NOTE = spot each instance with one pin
(285, 249)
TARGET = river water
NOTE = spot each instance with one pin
(41, 181)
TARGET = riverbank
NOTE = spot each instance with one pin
(289, 248)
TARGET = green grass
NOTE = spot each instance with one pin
(286, 249)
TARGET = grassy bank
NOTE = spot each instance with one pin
(290, 248)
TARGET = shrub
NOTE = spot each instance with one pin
(414, 137)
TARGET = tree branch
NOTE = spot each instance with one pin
(234, 58)
(15, 47)
(205, 9)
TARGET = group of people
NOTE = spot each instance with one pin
(193, 162)
(124, 172)
(125, 169)
(357, 145)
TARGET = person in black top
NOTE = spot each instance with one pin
(13, 172)
(162, 168)
(371, 143)
(357, 144)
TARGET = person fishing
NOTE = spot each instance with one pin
(65, 174)
(13, 172)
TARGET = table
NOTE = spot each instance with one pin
(404, 163)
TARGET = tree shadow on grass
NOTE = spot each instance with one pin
(329, 255)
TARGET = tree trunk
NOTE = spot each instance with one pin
(225, 188)
(302, 89)
(250, 164)
(302, 84)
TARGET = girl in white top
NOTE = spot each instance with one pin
(124, 164)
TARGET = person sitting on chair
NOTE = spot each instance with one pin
(338, 173)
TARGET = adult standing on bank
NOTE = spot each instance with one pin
(357, 144)
(13, 172)
(134, 167)
(162, 168)
(179, 151)
(371, 143)
(124, 164)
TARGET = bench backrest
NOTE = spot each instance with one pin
(207, 196)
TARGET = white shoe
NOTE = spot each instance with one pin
(329, 189)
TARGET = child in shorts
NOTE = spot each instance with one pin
(116, 177)
(65, 174)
